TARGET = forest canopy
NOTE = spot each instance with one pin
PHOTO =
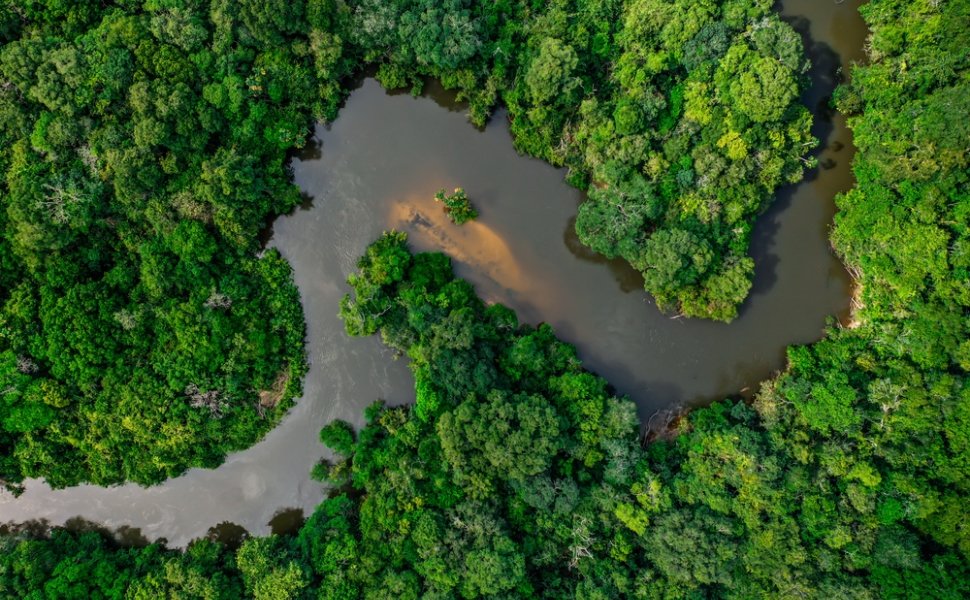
(519, 474)
(144, 147)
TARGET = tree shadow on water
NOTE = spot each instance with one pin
(124, 536)
(287, 521)
(825, 75)
(228, 534)
(630, 279)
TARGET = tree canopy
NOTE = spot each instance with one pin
(144, 147)
(519, 474)
(516, 473)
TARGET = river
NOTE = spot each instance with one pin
(377, 167)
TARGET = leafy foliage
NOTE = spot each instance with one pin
(143, 149)
(144, 146)
(517, 473)
(457, 205)
(88, 564)
(682, 119)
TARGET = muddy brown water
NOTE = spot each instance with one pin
(377, 167)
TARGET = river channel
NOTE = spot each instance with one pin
(377, 167)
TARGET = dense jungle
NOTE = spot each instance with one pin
(145, 330)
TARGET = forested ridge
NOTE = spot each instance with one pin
(518, 474)
(144, 147)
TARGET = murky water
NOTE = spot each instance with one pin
(377, 167)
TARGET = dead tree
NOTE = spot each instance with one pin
(211, 399)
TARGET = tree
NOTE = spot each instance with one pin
(672, 259)
(457, 205)
(764, 90)
(551, 73)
